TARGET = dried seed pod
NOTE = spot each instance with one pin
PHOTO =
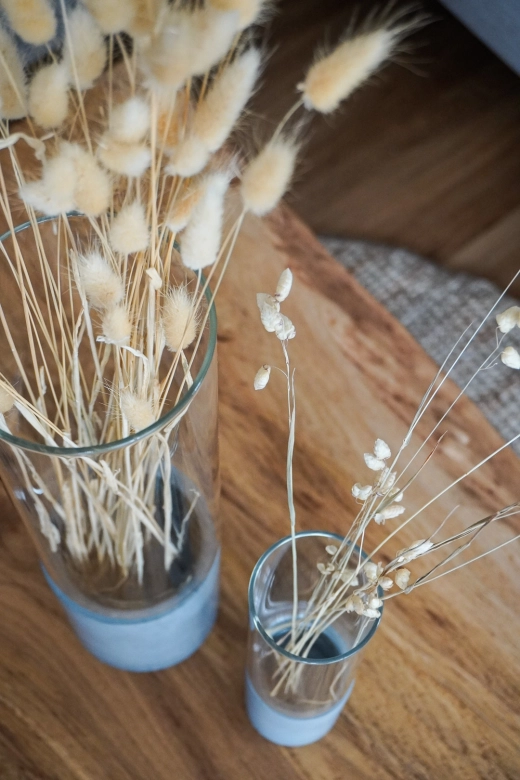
(373, 463)
(285, 330)
(386, 583)
(402, 577)
(507, 319)
(262, 377)
(331, 549)
(510, 357)
(361, 491)
(381, 449)
(283, 288)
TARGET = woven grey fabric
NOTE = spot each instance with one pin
(436, 306)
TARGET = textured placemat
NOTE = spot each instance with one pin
(436, 306)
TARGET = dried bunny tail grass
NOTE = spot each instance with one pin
(148, 16)
(32, 20)
(54, 193)
(12, 80)
(92, 189)
(189, 158)
(129, 231)
(217, 113)
(249, 11)
(201, 239)
(116, 325)
(126, 159)
(173, 117)
(138, 411)
(102, 286)
(49, 95)
(179, 319)
(130, 121)
(112, 16)
(182, 209)
(189, 44)
(267, 177)
(84, 51)
(335, 76)
(6, 400)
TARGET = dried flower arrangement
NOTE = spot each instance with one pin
(140, 150)
(350, 579)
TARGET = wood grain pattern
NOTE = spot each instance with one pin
(437, 694)
(425, 156)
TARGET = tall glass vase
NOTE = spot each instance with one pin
(291, 699)
(126, 529)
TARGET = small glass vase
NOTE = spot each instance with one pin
(292, 700)
(152, 495)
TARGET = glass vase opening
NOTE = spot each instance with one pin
(124, 517)
(295, 699)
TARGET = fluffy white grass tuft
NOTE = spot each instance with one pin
(201, 239)
(117, 327)
(84, 51)
(129, 231)
(102, 286)
(130, 121)
(267, 177)
(182, 209)
(112, 16)
(54, 192)
(92, 188)
(188, 44)
(335, 76)
(249, 11)
(138, 411)
(126, 159)
(49, 95)
(32, 20)
(12, 80)
(188, 158)
(218, 112)
(179, 319)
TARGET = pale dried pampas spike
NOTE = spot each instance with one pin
(102, 286)
(335, 76)
(201, 239)
(84, 51)
(129, 231)
(112, 16)
(189, 44)
(138, 411)
(283, 288)
(12, 80)
(6, 401)
(49, 95)
(249, 11)
(116, 325)
(92, 188)
(182, 209)
(54, 193)
(130, 121)
(32, 20)
(217, 114)
(267, 177)
(179, 319)
(126, 159)
(188, 159)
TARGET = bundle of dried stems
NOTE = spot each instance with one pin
(141, 150)
(349, 579)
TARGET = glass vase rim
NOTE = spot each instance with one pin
(99, 449)
(269, 639)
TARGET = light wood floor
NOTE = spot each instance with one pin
(427, 160)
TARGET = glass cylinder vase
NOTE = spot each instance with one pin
(126, 529)
(291, 699)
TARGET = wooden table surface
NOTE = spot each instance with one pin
(437, 694)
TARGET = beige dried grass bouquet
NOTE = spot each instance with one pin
(129, 124)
